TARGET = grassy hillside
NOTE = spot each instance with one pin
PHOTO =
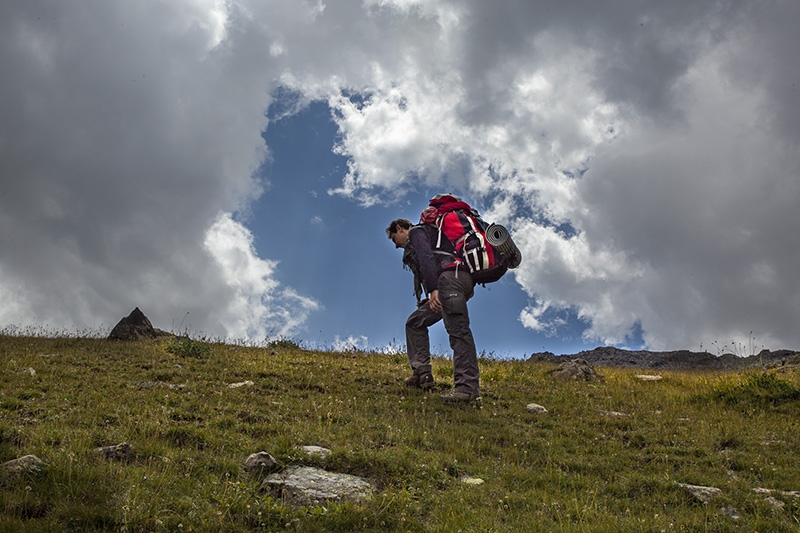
(571, 469)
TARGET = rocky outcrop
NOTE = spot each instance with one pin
(135, 327)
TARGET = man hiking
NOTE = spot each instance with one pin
(446, 290)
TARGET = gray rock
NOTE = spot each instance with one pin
(731, 512)
(704, 494)
(317, 451)
(786, 493)
(647, 377)
(303, 485)
(260, 462)
(247, 383)
(117, 451)
(159, 384)
(577, 370)
(775, 503)
(614, 414)
(536, 408)
(27, 464)
(133, 327)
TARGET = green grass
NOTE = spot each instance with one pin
(569, 470)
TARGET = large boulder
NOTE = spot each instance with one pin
(134, 327)
(305, 485)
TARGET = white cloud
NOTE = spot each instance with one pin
(656, 132)
(124, 130)
(663, 133)
(352, 342)
(260, 308)
(702, 205)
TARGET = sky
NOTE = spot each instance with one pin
(229, 167)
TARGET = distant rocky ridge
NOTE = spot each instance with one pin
(677, 360)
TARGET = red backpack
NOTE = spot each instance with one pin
(485, 249)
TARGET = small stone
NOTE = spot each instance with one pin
(536, 408)
(577, 370)
(26, 464)
(786, 493)
(775, 503)
(317, 451)
(261, 461)
(704, 494)
(116, 451)
(30, 371)
(159, 384)
(614, 414)
(731, 512)
(645, 377)
(247, 383)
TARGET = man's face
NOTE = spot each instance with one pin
(399, 237)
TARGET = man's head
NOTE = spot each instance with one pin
(398, 232)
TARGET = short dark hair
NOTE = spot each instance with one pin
(398, 223)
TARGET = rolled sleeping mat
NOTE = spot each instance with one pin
(500, 239)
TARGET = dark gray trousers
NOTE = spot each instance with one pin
(454, 291)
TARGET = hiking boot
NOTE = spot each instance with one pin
(461, 396)
(424, 382)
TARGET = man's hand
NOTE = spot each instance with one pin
(435, 304)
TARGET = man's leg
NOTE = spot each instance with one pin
(454, 291)
(418, 340)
